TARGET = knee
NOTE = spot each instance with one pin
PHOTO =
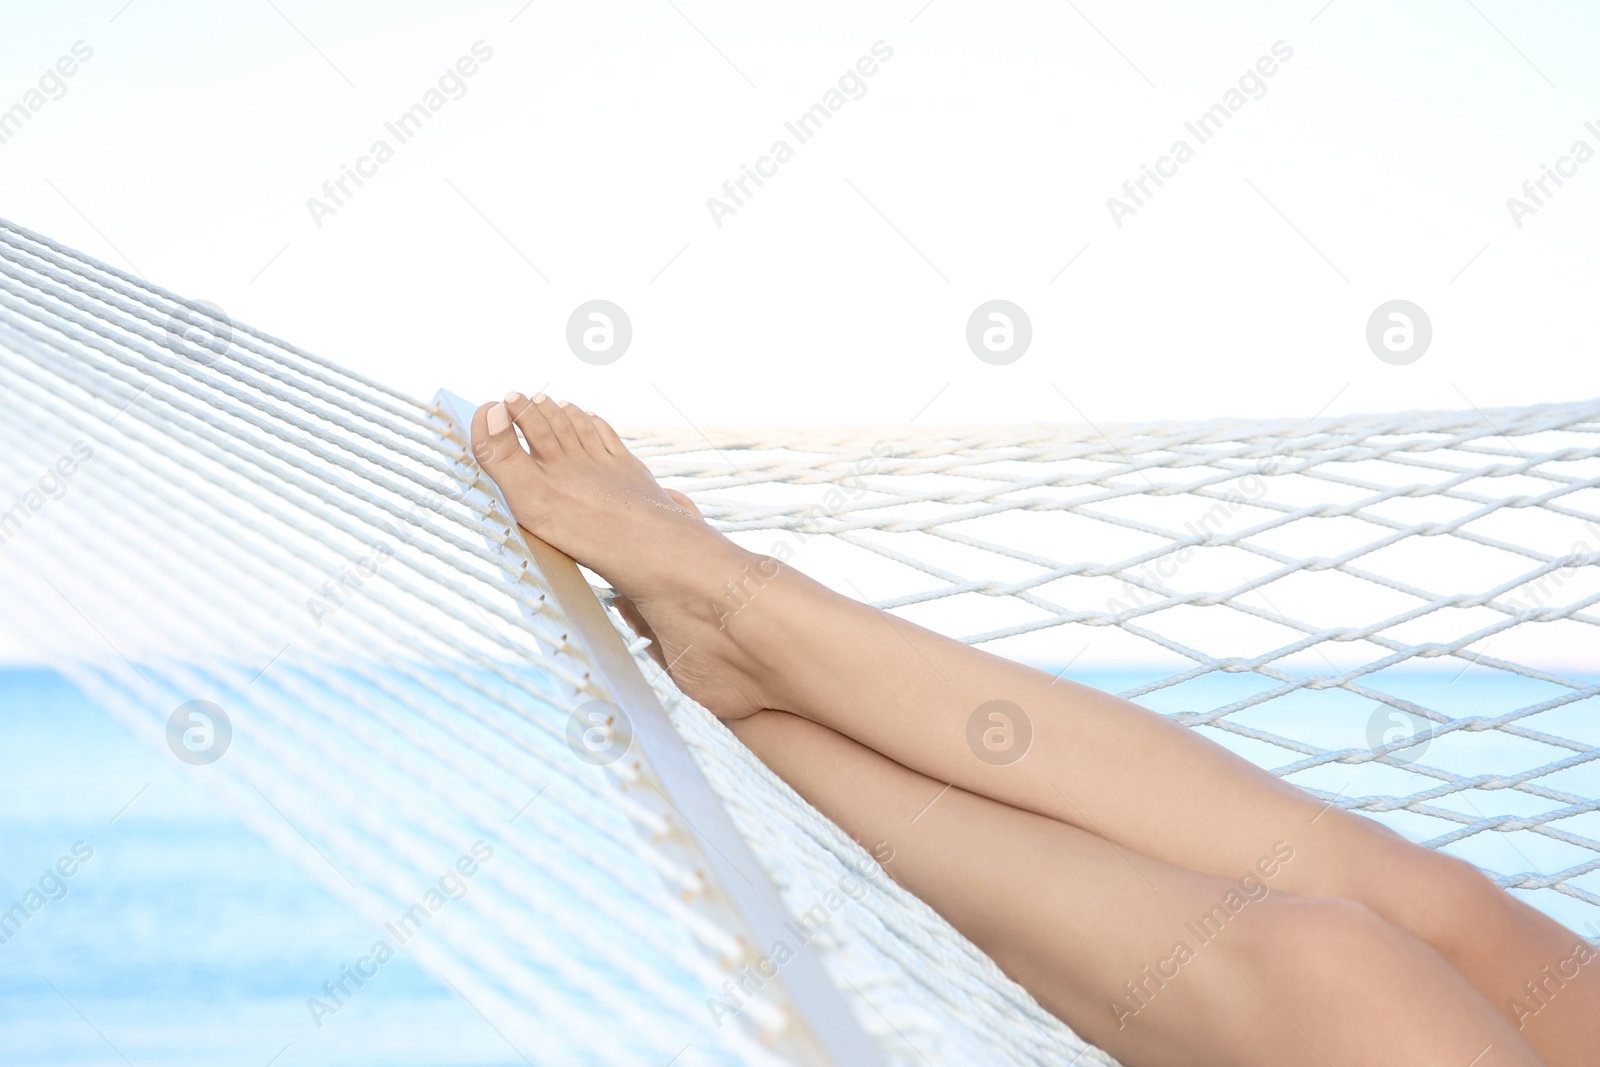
(1314, 949)
(1442, 899)
(1350, 979)
(1432, 898)
(1317, 934)
(1455, 880)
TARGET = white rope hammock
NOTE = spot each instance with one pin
(317, 555)
(1468, 539)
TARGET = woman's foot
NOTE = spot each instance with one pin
(630, 611)
(578, 488)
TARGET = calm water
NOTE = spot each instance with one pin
(184, 939)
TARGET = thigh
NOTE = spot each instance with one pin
(1156, 963)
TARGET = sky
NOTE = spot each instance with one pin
(981, 159)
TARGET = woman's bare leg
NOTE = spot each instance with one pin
(1138, 779)
(1094, 931)
(1094, 761)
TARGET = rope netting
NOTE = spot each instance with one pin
(209, 521)
(1394, 612)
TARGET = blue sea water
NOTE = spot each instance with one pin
(183, 939)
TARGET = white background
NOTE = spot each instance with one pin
(976, 166)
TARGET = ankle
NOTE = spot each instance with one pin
(743, 579)
(674, 566)
(778, 619)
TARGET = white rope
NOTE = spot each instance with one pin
(396, 613)
(332, 798)
(1443, 457)
(373, 394)
(435, 702)
(95, 296)
(151, 509)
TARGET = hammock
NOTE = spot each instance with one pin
(394, 682)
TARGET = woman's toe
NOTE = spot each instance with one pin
(612, 439)
(501, 456)
(530, 419)
(494, 442)
(556, 418)
(583, 425)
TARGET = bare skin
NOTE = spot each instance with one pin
(1077, 865)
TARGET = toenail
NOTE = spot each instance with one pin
(513, 397)
(540, 398)
(499, 419)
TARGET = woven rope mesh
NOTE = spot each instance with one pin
(208, 514)
(1396, 613)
